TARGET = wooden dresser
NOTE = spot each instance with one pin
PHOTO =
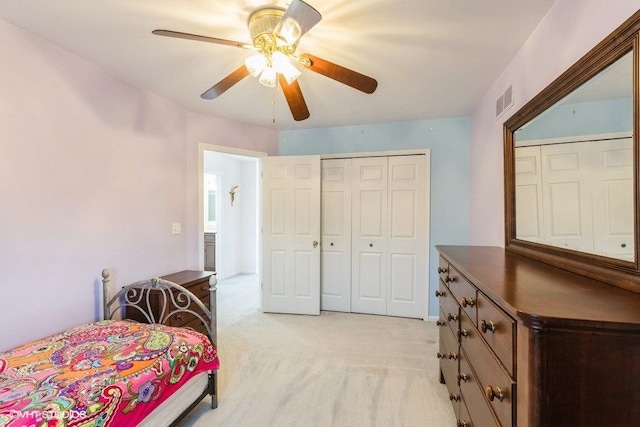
(527, 344)
(197, 282)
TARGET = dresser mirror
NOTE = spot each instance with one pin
(571, 165)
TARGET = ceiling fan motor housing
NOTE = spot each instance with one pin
(262, 24)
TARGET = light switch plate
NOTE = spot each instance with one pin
(176, 228)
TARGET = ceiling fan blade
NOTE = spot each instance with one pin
(225, 84)
(293, 95)
(341, 74)
(187, 36)
(296, 21)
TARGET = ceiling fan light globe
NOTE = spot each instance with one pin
(255, 64)
(283, 65)
(268, 77)
(290, 73)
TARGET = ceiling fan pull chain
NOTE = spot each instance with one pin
(273, 103)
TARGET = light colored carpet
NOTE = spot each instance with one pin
(336, 369)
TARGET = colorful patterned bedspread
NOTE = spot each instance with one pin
(104, 373)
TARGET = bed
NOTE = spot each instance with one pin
(116, 372)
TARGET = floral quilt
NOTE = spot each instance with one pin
(104, 373)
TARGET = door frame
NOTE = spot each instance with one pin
(202, 147)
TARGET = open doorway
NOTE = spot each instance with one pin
(230, 211)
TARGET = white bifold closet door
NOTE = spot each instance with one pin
(389, 236)
(335, 262)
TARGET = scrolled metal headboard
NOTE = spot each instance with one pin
(170, 297)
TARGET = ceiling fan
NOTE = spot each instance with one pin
(275, 33)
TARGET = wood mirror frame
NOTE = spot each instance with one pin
(617, 272)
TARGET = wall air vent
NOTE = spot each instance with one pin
(505, 101)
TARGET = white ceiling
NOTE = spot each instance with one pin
(432, 58)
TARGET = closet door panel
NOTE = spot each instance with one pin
(370, 267)
(371, 288)
(567, 195)
(529, 210)
(407, 236)
(613, 221)
(335, 274)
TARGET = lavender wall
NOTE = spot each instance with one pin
(92, 174)
(568, 31)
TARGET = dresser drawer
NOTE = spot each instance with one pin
(450, 308)
(490, 375)
(497, 329)
(464, 292)
(443, 268)
(448, 355)
(200, 289)
(473, 396)
(464, 420)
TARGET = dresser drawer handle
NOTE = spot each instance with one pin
(467, 302)
(462, 424)
(449, 279)
(204, 288)
(441, 355)
(453, 356)
(452, 317)
(439, 294)
(454, 397)
(492, 393)
(179, 318)
(442, 270)
(463, 333)
(440, 323)
(488, 327)
(463, 377)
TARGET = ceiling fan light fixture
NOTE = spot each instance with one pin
(283, 65)
(268, 77)
(255, 64)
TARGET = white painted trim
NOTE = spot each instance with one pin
(202, 147)
(374, 154)
(577, 138)
(231, 150)
(427, 159)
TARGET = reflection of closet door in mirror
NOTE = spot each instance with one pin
(335, 262)
(613, 197)
(529, 215)
(566, 193)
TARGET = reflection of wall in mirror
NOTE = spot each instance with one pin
(577, 195)
(585, 118)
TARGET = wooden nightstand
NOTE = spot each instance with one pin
(197, 282)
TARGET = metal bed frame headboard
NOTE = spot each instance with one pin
(173, 299)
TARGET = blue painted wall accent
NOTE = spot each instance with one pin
(449, 142)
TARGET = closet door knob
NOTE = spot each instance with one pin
(315, 243)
